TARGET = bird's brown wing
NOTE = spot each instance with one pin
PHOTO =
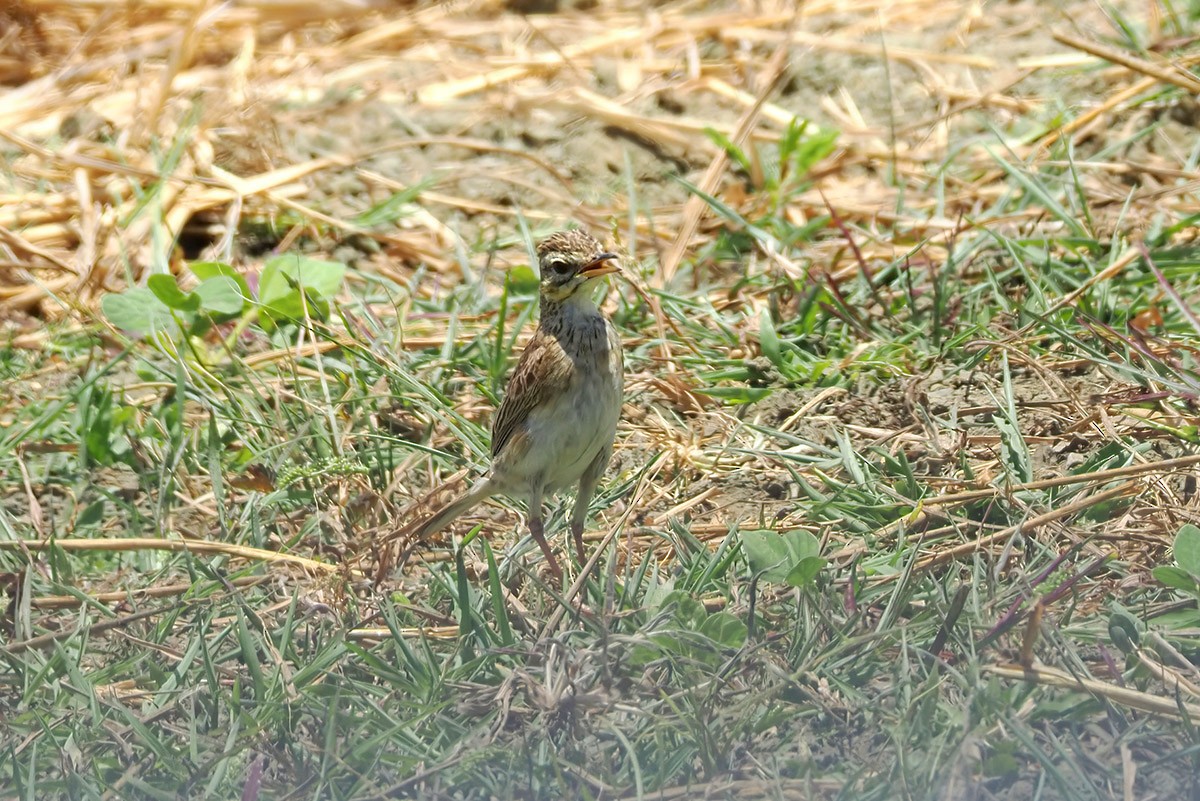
(543, 371)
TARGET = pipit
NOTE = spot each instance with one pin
(556, 424)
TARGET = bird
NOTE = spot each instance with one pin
(558, 420)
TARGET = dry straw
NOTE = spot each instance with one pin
(127, 126)
(102, 91)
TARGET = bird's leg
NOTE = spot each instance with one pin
(539, 536)
(578, 519)
(535, 528)
(583, 498)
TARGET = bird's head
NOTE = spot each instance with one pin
(569, 261)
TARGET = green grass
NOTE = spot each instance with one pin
(832, 637)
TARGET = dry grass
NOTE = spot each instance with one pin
(1003, 394)
(105, 93)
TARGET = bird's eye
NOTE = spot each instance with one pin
(559, 267)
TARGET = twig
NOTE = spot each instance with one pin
(190, 546)
(1169, 73)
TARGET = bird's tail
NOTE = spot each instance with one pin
(475, 496)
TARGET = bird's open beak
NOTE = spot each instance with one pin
(604, 264)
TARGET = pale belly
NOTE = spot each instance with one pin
(566, 436)
(576, 429)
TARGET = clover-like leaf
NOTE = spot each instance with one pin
(205, 270)
(221, 296)
(777, 556)
(290, 285)
(805, 571)
(724, 629)
(1187, 549)
(167, 290)
(1176, 578)
(138, 311)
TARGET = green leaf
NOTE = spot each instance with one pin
(766, 553)
(288, 306)
(777, 556)
(789, 142)
(1024, 175)
(249, 651)
(733, 151)
(1000, 765)
(499, 608)
(1187, 549)
(802, 544)
(724, 629)
(1014, 448)
(97, 430)
(138, 311)
(91, 514)
(1176, 578)
(205, 270)
(284, 278)
(470, 537)
(767, 240)
(167, 290)
(1124, 629)
(768, 340)
(805, 571)
(522, 279)
(737, 395)
(322, 277)
(812, 149)
(393, 208)
(466, 615)
(221, 296)
(688, 612)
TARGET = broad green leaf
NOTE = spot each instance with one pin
(767, 554)
(1187, 549)
(288, 306)
(689, 612)
(285, 277)
(204, 270)
(1001, 765)
(1124, 629)
(138, 311)
(805, 571)
(724, 629)
(167, 290)
(221, 296)
(775, 556)
(322, 277)
(92, 514)
(1176, 578)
